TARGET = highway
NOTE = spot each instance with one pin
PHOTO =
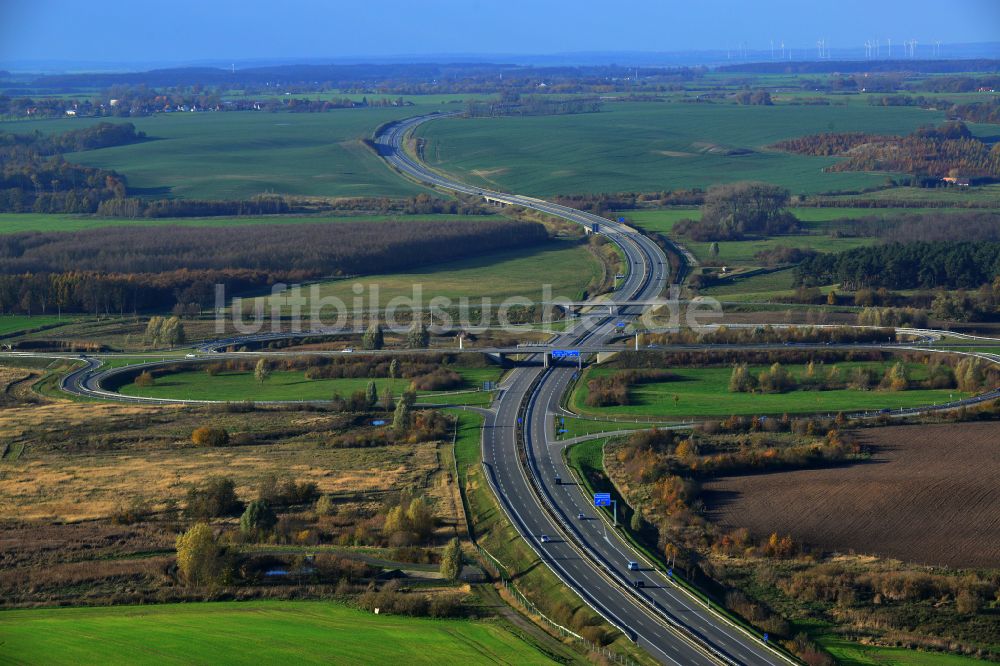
(590, 557)
(523, 460)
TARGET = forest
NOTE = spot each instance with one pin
(970, 226)
(919, 265)
(34, 176)
(132, 268)
(929, 152)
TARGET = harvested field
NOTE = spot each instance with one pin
(927, 496)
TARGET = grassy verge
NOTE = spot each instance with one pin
(569, 427)
(292, 385)
(11, 324)
(252, 633)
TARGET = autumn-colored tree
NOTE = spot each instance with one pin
(261, 371)
(210, 436)
(200, 558)
(145, 379)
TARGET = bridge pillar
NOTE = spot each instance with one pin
(545, 359)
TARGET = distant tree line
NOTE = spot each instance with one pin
(271, 204)
(753, 98)
(602, 203)
(887, 65)
(512, 104)
(132, 207)
(132, 268)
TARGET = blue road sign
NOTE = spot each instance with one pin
(563, 430)
(562, 420)
(670, 572)
(519, 420)
(621, 219)
(378, 422)
(602, 499)
(565, 353)
(621, 324)
(766, 637)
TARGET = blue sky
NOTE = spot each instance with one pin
(192, 30)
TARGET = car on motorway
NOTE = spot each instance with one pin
(347, 350)
(190, 356)
(581, 516)
(544, 538)
(633, 566)
(640, 583)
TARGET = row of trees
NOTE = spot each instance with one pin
(768, 334)
(512, 104)
(777, 379)
(968, 374)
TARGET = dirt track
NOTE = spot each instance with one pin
(931, 495)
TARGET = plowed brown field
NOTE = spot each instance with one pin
(930, 495)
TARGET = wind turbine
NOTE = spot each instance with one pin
(782, 49)
(889, 39)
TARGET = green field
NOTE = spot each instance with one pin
(258, 632)
(10, 324)
(630, 147)
(855, 654)
(285, 385)
(241, 154)
(755, 288)
(575, 427)
(988, 195)
(814, 219)
(568, 267)
(704, 392)
(11, 223)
